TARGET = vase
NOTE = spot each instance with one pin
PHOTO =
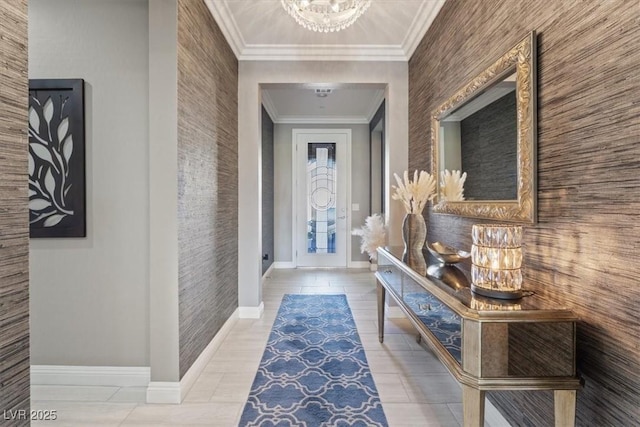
(414, 236)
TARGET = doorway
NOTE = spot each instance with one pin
(321, 188)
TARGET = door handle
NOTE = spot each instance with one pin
(342, 217)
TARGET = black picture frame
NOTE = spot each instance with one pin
(57, 200)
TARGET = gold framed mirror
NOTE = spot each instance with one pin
(488, 129)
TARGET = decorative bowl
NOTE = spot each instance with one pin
(446, 254)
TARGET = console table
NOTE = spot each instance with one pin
(486, 343)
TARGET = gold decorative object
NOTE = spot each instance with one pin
(496, 257)
(521, 59)
(446, 254)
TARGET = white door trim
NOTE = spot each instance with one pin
(294, 175)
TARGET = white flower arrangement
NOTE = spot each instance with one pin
(452, 186)
(415, 194)
(373, 235)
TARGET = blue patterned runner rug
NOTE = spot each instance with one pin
(313, 371)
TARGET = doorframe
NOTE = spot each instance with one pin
(294, 174)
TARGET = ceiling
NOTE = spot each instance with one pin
(389, 30)
(296, 103)
(261, 30)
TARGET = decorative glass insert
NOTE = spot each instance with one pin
(321, 198)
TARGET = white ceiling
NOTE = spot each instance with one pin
(294, 103)
(389, 30)
(261, 30)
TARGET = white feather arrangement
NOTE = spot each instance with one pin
(373, 235)
(415, 194)
(452, 185)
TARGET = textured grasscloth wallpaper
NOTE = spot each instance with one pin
(14, 229)
(489, 151)
(583, 252)
(207, 179)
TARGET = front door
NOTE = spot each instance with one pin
(320, 185)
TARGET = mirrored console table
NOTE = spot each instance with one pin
(487, 344)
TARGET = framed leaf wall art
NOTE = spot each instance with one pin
(56, 158)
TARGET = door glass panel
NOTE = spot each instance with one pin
(321, 197)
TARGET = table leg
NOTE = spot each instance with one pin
(472, 406)
(565, 407)
(381, 297)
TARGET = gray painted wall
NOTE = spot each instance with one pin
(164, 345)
(267, 191)
(14, 231)
(207, 180)
(283, 151)
(89, 296)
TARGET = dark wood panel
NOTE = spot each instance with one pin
(207, 179)
(582, 252)
(14, 214)
(268, 243)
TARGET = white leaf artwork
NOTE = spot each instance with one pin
(63, 127)
(56, 138)
(42, 152)
(47, 110)
(50, 183)
(38, 204)
(67, 148)
(34, 119)
(32, 165)
(53, 220)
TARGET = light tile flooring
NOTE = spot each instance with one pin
(415, 388)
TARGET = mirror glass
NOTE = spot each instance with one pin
(480, 139)
(376, 162)
(488, 130)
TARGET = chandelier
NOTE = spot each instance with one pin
(325, 15)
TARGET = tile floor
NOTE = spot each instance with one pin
(415, 388)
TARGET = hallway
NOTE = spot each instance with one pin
(414, 387)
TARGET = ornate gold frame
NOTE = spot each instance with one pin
(524, 209)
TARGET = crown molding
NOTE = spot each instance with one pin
(377, 101)
(269, 105)
(315, 120)
(425, 16)
(322, 53)
(299, 52)
(227, 23)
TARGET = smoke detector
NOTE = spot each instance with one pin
(323, 93)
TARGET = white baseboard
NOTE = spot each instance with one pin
(117, 376)
(493, 417)
(359, 264)
(251, 312)
(163, 392)
(175, 392)
(284, 264)
(190, 377)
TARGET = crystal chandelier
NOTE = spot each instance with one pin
(325, 15)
